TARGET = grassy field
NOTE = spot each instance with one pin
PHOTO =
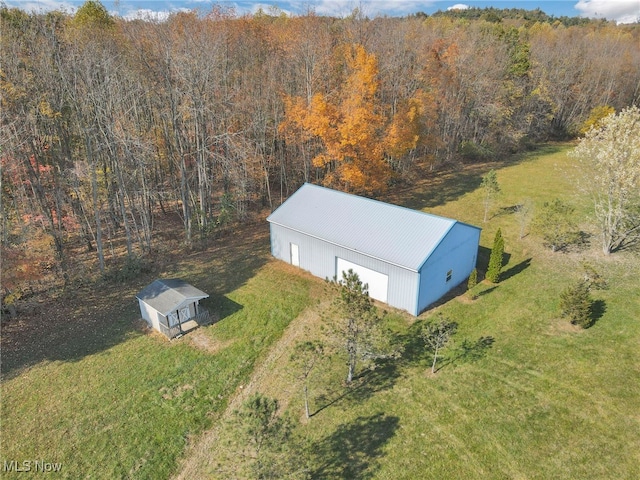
(128, 410)
(540, 399)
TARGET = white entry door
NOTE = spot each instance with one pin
(173, 319)
(295, 255)
(378, 282)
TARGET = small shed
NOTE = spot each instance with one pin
(408, 258)
(172, 306)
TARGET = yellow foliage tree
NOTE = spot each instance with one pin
(350, 130)
(412, 125)
(596, 116)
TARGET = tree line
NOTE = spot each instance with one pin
(108, 123)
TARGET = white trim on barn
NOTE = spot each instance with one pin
(404, 255)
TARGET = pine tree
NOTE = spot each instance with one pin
(360, 331)
(576, 304)
(472, 282)
(495, 260)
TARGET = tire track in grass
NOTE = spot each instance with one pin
(578, 410)
(603, 405)
(461, 447)
(508, 464)
(200, 457)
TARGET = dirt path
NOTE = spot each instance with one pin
(268, 378)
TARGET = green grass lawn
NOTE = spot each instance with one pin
(541, 400)
(129, 410)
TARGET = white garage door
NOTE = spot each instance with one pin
(378, 282)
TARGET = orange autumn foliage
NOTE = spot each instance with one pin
(412, 126)
(349, 130)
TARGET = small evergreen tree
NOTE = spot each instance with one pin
(495, 260)
(264, 437)
(576, 304)
(472, 282)
(360, 331)
(555, 221)
(473, 279)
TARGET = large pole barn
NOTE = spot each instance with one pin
(408, 258)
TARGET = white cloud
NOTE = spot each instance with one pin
(369, 8)
(39, 6)
(146, 14)
(338, 8)
(269, 9)
(458, 6)
(622, 11)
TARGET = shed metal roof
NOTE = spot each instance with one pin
(391, 233)
(170, 294)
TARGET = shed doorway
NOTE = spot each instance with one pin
(378, 282)
(185, 314)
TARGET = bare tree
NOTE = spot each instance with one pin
(436, 335)
(306, 356)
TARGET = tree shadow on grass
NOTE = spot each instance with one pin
(515, 270)
(482, 263)
(452, 181)
(598, 309)
(448, 186)
(487, 291)
(510, 210)
(354, 450)
(468, 352)
(381, 376)
(414, 348)
(95, 317)
(377, 379)
(417, 354)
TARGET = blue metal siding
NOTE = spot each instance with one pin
(457, 252)
(319, 258)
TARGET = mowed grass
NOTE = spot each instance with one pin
(129, 411)
(542, 399)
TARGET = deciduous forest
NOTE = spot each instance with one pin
(109, 125)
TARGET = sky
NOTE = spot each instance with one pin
(622, 11)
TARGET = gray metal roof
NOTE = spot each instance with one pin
(168, 295)
(391, 233)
